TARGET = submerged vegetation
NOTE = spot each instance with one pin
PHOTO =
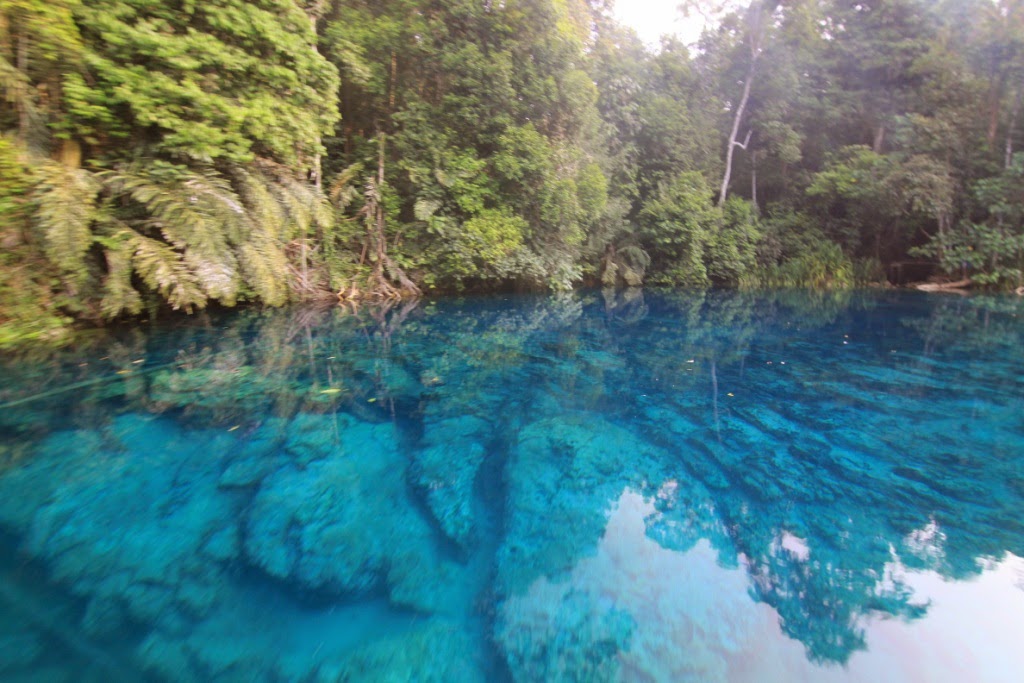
(179, 154)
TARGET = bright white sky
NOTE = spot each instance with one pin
(652, 18)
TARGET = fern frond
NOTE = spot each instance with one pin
(214, 197)
(164, 269)
(323, 212)
(199, 214)
(343, 190)
(298, 201)
(262, 257)
(424, 209)
(306, 206)
(218, 277)
(119, 297)
(266, 215)
(265, 267)
(65, 208)
(191, 210)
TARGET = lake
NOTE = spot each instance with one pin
(641, 486)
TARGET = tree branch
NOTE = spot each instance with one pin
(746, 141)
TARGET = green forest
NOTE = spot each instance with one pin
(178, 154)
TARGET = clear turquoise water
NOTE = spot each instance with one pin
(641, 487)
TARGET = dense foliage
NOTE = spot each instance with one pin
(181, 153)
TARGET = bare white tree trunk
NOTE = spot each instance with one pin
(733, 142)
(1011, 129)
(756, 35)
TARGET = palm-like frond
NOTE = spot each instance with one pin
(266, 215)
(343, 189)
(119, 296)
(265, 266)
(306, 206)
(65, 208)
(164, 269)
(197, 213)
(188, 234)
(262, 256)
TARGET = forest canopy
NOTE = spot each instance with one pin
(179, 154)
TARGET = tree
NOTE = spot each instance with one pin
(991, 250)
(182, 133)
(490, 123)
(754, 30)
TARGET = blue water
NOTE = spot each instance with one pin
(639, 487)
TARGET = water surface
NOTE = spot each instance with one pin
(636, 486)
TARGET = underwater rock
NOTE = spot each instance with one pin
(302, 520)
(20, 498)
(446, 476)
(345, 522)
(167, 658)
(314, 437)
(102, 618)
(229, 656)
(121, 517)
(327, 525)
(242, 641)
(311, 437)
(445, 471)
(19, 646)
(265, 439)
(436, 652)
(564, 635)
(224, 544)
(562, 476)
(248, 472)
(262, 633)
(701, 460)
(389, 378)
(678, 424)
(229, 390)
(259, 453)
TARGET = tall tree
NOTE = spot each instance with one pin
(752, 31)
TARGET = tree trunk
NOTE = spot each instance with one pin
(384, 270)
(383, 266)
(314, 14)
(1011, 129)
(70, 154)
(995, 96)
(756, 35)
(876, 147)
(944, 286)
(733, 142)
(393, 86)
(379, 245)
